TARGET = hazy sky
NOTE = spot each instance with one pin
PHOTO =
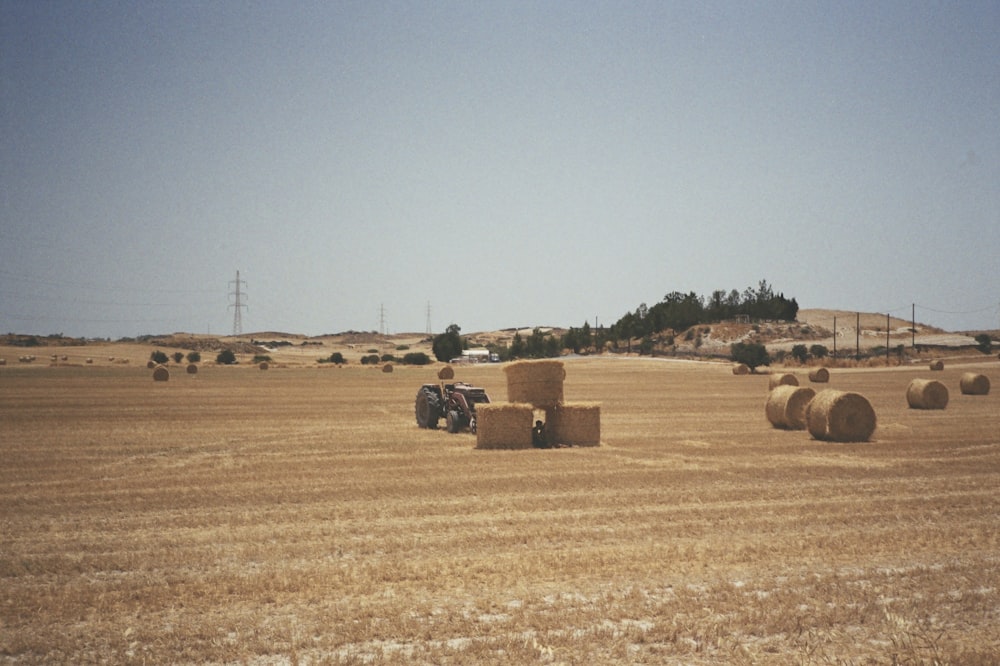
(504, 163)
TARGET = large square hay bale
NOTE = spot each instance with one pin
(574, 424)
(538, 383)
(503, 425)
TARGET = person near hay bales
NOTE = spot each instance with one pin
(538, 438)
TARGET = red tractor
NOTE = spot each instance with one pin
(455, 403)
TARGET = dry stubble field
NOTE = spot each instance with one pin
(300, 516)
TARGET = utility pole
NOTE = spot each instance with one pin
(381, 319)
(857, 337)
(834, 336)
(887, 339)
(913, 325)
(428, 331)
(237, 304)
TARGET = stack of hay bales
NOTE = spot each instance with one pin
(819, 375)
(840, 416)
(927, 394)
(160, 373)
(536, 385)
(786, 406)
(783, 379)
(972, 383)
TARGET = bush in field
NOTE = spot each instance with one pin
(985, 344)
(819, 351)
(226, 357)
(416, 358)
(261, 358)
(194, 357)
(177, 356)
(159, 357)
(335, 357)
(799, 353)
(370, 359)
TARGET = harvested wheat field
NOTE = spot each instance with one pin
(299, 516)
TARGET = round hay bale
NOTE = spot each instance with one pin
(160, 373)
(574, 424)
(927, 394)
(3, 361)
(782, 379)
(150, 365)
(192, 369)
(819, 375)
(840, 416)
(387, 367)
(741, 369)
(89, 361)
(503, 425)
(973, 383)
(263, 365)
(447, 372)
(937, 365)
(538, 383)
(786, 406)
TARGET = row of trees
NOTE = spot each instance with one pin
(676, 313)
(680, 312)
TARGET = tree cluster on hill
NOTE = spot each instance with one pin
(675, 313)
(680, 312)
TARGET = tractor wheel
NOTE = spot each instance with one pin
(454, 421)
(427, 410)
(472, 424)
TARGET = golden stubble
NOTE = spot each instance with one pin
(300, 516)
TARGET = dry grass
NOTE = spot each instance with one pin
(300, 516)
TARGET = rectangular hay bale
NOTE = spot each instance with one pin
(503, 425)
(574, 424)
(538, 383)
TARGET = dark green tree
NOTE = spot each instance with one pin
(752, 354)
(226, 357)
(819, 351)
(985, 344)
(448, 345)
(159, 357)
(194, 357)
(800, 353)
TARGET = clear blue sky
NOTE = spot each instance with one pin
(507, 163)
